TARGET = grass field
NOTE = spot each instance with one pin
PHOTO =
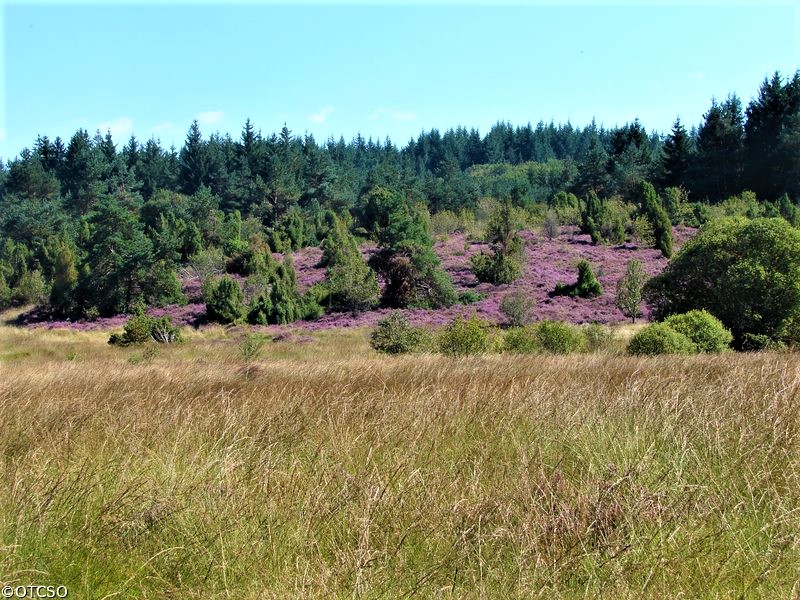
(324, 470)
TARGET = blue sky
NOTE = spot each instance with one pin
(333, 69)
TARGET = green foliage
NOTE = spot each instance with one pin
(406, 260)
(522, 340)
(463, 337)
(470, 297)
(549, 337)
(653, 210)
(518, 306)
(630, 288)
(746, 273)
(31, 288)
(350, 283)
(250, 346)
(703, 328)
(599, 338)
(224, 300)
(592, 217)
(5, 293)
(504, 265)
(141, 329)
(65, 280)
(557, 337)
(587, 285)
(394, 335)
(660, 338)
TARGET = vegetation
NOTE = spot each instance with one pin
(587, 285)
(142, 328)
(394, 335)
(463, 337)
(745, 273)
(518, 306)
(504, 264)
(660, 338)
(630, 290)
(89, 228)
(703, 328)
(570, 474)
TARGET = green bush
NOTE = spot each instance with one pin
(141, 329)
(464, 337)
(660, 338)
(599, 338)
(587, 285)
(394, 335)
(517, 306)
(470, 297)
(224, 300)
(521, 340)
(704, 329)
(557, 337)
(746, 273)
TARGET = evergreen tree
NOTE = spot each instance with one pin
(653, 210)
(194, 161)
(677, 157)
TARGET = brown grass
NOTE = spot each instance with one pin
(328, 471)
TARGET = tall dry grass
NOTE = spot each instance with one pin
(499, 477)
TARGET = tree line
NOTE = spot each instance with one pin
(90, 228)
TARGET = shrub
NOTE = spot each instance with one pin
(557, 337)
(522, 340)
(224, 300)
(250, 347)
(598, 337)
(470, 297)
(653, 210)
(394, 335)
(703, 328)
(550, 226)
(660, 338)
(587, 285)
(497, 269)
(141, 329)
(32, 288)
(746, 273)
(464, 337)
(517, 306)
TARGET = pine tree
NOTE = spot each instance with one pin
(677, 157)
(194, 165)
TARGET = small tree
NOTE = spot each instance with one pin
(518, 307)
(224, 300)
(653, 210)
(504, 265)
(629, 290)
(550, 225)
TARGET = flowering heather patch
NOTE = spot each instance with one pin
(547, 262)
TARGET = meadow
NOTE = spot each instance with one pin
(322, 469)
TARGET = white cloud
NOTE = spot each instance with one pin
(322, 115)
(395, 115)
(209, 117)
(162, 127)
(118, 127)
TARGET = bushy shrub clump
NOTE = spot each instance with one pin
(599, 338)
(517, 306)
(587, 285)
(464, 337)
(224, 300)
(660, 338)
(549, 337)
(395, 335)
(141, 329)
(704, 329)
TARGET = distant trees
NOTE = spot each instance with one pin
(214, 193)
